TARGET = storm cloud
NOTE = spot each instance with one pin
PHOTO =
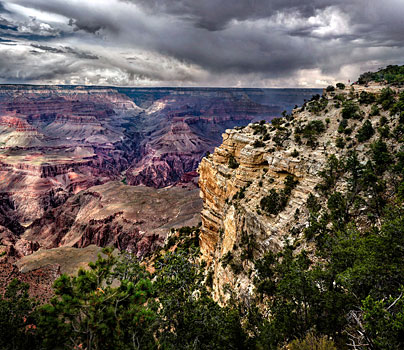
(192, 42)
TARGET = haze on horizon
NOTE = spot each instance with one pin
(247, 43)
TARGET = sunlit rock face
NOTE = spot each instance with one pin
(251, 162)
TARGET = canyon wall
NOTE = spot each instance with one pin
(256, 168)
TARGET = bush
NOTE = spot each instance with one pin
(233, 164)
(330, 88)
(258, 143)
(374, 110)
(227, 259)
(350, 110)
(365, 132)
(366, 98)
(339, 142)
(386, 98)
(342, 125)
(310, 131)
(312, 342)
(392, 74)
(380, 155)
(340, 86)
(290, 183)
(17, 319)
(274, 203)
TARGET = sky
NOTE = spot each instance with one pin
(228, 43)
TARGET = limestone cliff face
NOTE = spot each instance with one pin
(225, 219)
(250, 163)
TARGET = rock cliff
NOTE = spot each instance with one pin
(255, 186)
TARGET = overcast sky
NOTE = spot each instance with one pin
(242, 43)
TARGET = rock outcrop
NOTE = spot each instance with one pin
(257, 164)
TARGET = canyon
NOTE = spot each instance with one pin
(83, 166)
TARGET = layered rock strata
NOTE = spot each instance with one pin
(252, 163)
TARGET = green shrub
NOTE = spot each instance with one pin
(365, 132)
(340, 86)
(392, 74)
(274, 203)
(342, 125)
(339, 142)
(258, 143)
(366, 98)
(290, 183)
(294, 153)
(381, 156)
(227, 259)
(386, 98)
(374, 110)
(350, 110)
(312, 342)
(330, 88)
(233, 164)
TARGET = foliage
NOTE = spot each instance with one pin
(330, 88)
(188, 317)
(340, 86)
(116, 304)
(384, 321)
(89, 312)
(311, 131)
(339, 142)
(258, 143)
(386, 98)
(295, 153)
(330, 173)
(374, 110)
(312, 342)
(342, 125)
(365, 132)
(281, 135)
(366, 98)
(350, 110)
(317, 104)
(275, 201)
(18, 320)
(380, 155)
(392, 74)
(354, 274)
(233, 164)
(260, 128)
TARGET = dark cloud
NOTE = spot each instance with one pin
(64, 50)
(81, 54)
(92, 28)
(225, 41)
(47, 48)
(215, 15)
